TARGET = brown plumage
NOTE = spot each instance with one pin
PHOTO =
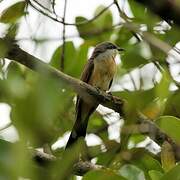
(98, 72)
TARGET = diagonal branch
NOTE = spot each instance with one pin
(166, 9)
(79, 168)
(87, 92)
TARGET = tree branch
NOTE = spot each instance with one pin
(166, 9)
(149, 128)
(87, 92)
(79, 168)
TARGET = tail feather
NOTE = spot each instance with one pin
(80, 126)
(79, 130)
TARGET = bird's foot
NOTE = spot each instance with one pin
(98, 89)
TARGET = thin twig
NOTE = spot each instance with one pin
(125, 17)
(64, 38)
(6, 126)
(43, 7)
(96, 33)
(66, 23)
(53, 8)
(133, 81)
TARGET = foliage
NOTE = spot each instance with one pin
(42, 109)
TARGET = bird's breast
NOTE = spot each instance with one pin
(103, 73)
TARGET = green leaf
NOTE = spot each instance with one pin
(155, 175)
(79, 61)
(131, 172)
(137, 9)
(102, 174)
(136, 138)
(86, 31)
(3, 48)
(105, 158)
(98, 126)
(13, 13)
(6, 160)
(103, 23)
(74, 58)
(158, 54)
(38, 114)
(14, 69)
(70, 57)
(162, 89)
(173, 174)
(145, 161)
(172, 105)
(142, 14)
(132, 58)
(167, 156)
(124, 35)
(97, 31)
(170, 36)
(171, 126)
(105, 20)
(143, 97)
(12, 31)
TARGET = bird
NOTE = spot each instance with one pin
(99, 72)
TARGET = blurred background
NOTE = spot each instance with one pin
(37, 111)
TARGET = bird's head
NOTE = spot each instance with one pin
(106, 49)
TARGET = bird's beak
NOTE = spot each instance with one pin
(120, 49)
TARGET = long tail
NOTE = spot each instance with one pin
(81, 122)
(79, 130)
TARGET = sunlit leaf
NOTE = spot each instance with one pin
(146, 162)
(142, 14)
(12, 31)
(98, 126)
(102, 174)
(103, 23)
(123, 37)
(172, 105)
(171, 126)
(158, 54)
(4, 48)
(74, 59)
(77, 65)
(172, 174)
(162, 88)
(132, 58)
(136, 138)
(167, 156)
(86, 31)
(14, 69)
(13, 13)
(155, 175)
(137, 9)
(131, 172)
(69, 56)
(97, 31)
(37, 115)
(10, 154)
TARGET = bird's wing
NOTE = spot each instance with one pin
(110, 83)
(85, 77)
(87, 72)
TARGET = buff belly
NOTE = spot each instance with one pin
(103, 73)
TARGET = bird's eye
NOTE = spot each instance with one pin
(111, 46)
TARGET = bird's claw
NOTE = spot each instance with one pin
(98, 89)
